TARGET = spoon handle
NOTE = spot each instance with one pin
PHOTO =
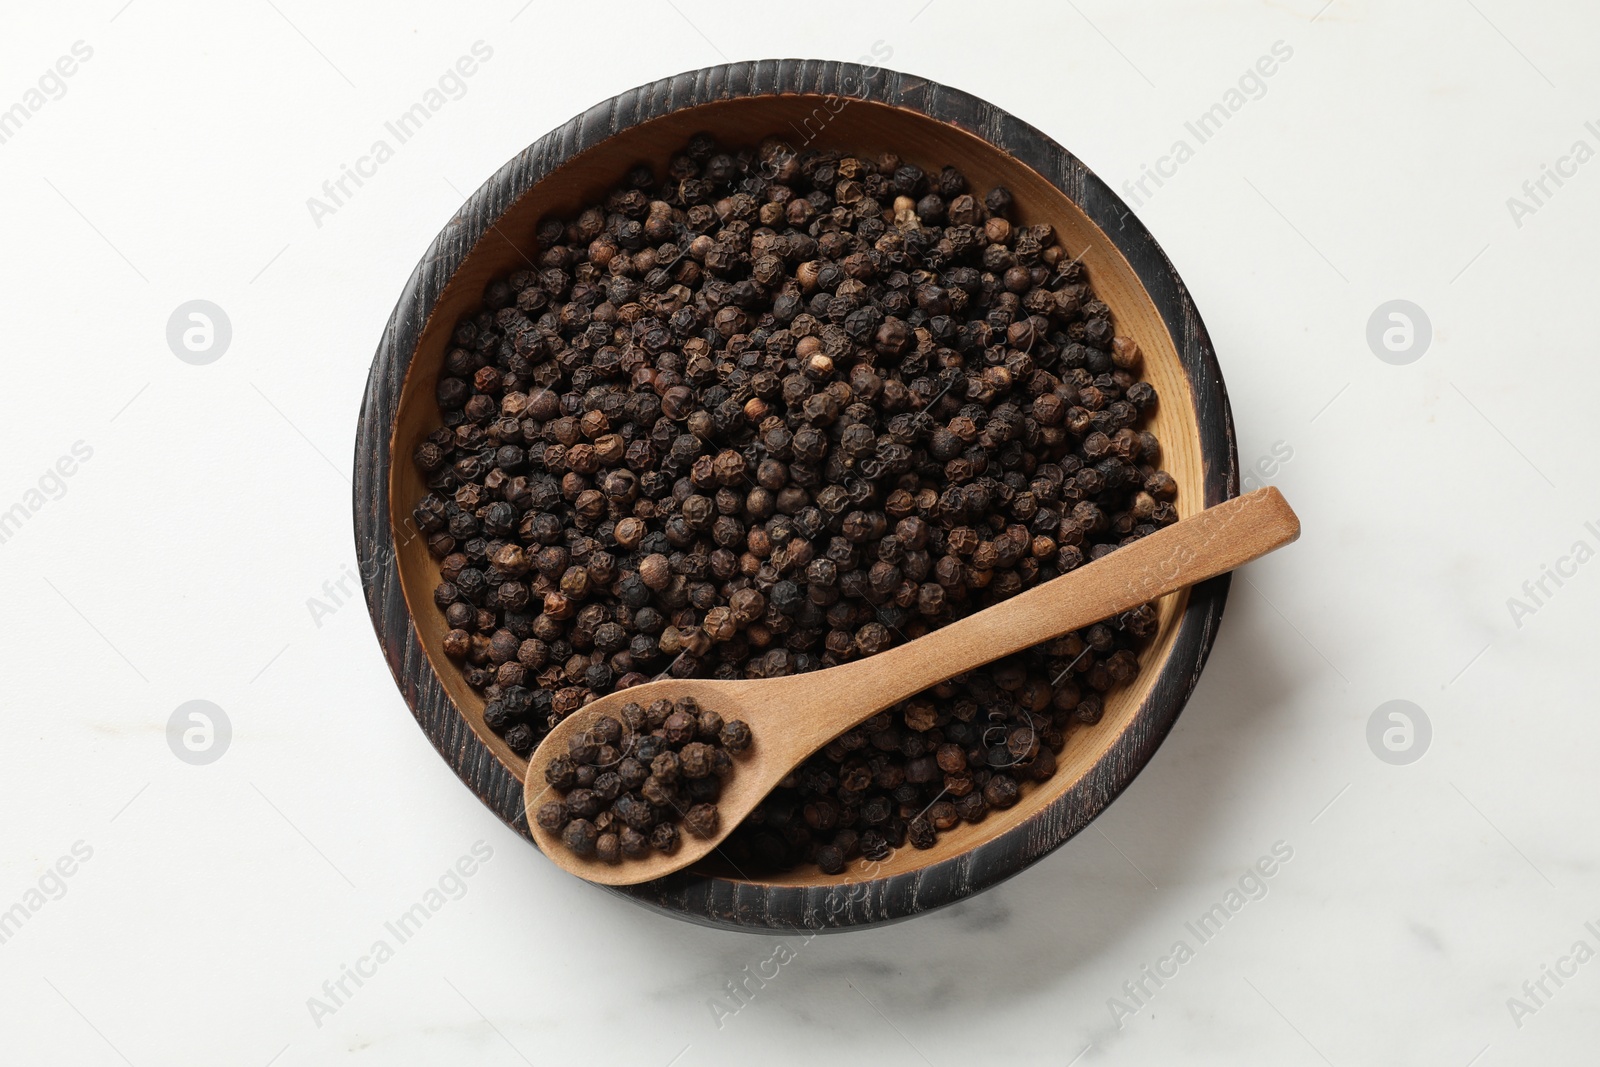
(1202, 546)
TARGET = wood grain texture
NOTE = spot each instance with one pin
(812, 104)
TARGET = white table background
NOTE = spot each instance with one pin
(180, 560)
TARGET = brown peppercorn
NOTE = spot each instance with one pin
(708, 726)
(1001, 792)
(561, 773)
(872, 638)
(552, 815)
(608, 848)
(664, 838)
(656, 790)
(702, 820)
(736, 736)
(971, 807)
(580, 836)
(654, 572)
(633, 843)
(680, 727)
(921, 715)
(951, 758)
(695, 760)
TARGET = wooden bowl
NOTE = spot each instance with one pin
(811, 104)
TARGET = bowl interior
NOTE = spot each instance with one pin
(806, 121)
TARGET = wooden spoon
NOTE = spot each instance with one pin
(793, 717)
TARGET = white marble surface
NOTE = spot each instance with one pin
(178, 562)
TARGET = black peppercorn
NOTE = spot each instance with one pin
(702, 820)
(580, 836)
(664, 838)
(552, 815)
(750, 423)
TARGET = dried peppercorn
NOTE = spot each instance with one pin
(552, 815)
(580, 836)
(633, 843)
(608, 848)
(762, 413)
(630, 781)
(702, 820)
(664, 838)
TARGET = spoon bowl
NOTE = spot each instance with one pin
(791, 718)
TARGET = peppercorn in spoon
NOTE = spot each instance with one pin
(792, 717)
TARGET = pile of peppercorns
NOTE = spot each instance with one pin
(626, 783)
(770, 412)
